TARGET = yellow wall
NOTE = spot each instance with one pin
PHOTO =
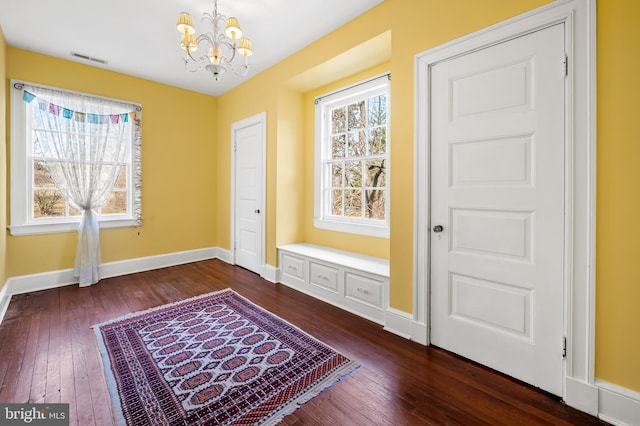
(179, 190)
(290, 184)
(3, 163)
(618, 194)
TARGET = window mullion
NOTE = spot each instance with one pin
(353, 137)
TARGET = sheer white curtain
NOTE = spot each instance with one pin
(85, 141)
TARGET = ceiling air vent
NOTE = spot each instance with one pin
(89, 58)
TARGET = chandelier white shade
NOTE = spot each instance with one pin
(222, 44)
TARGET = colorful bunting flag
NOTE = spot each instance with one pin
(54, 109)
(67, 113)
(28, 97)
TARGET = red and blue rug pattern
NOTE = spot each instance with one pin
(216, 359)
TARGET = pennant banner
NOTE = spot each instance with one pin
(54, 109)
(28, 97)
(44, 105)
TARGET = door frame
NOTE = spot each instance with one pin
(260, 118)
(579, 17)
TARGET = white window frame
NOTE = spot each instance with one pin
(22, 221)
(322, 178)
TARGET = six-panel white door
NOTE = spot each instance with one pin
(248, 197)
(497, 190)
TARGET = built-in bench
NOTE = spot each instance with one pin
(351, 281)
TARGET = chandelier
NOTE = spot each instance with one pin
(223, 43)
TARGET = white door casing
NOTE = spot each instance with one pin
(248, 138)
(579, 17)
(497, 191)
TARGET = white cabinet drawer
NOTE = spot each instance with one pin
(324, 276)
(363, 289)
(351, 281)
(293, 266)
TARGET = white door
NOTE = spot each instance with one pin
(497, 190)
(248, 138)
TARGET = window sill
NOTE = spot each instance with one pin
(380, 231)
(55, 228)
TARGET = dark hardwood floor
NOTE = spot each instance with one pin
(48, 353)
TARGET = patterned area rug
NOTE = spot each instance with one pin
(213, 359)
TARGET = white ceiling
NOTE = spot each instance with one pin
(138, 37)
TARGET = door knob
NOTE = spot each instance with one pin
(257, 211)
(438, 228)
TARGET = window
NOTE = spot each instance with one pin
(352, 159)
(37, 205)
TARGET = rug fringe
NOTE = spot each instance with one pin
(329, 381)
(164, 306)
(112, 387)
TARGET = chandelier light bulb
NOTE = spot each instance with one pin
(185, 24)
(188, 42)
(215, 55)
(244, 48)
(233, 30)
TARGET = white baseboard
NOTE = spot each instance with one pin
(581, 395)
(398, 322)
(48, 280)
(43, 281)
(225, 255)
(271, 273)
(5, 298)
(617, 405)
(419, 332)
(403, 324)
(141, 264)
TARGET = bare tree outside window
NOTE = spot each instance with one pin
(358, 160)
(48, 201)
